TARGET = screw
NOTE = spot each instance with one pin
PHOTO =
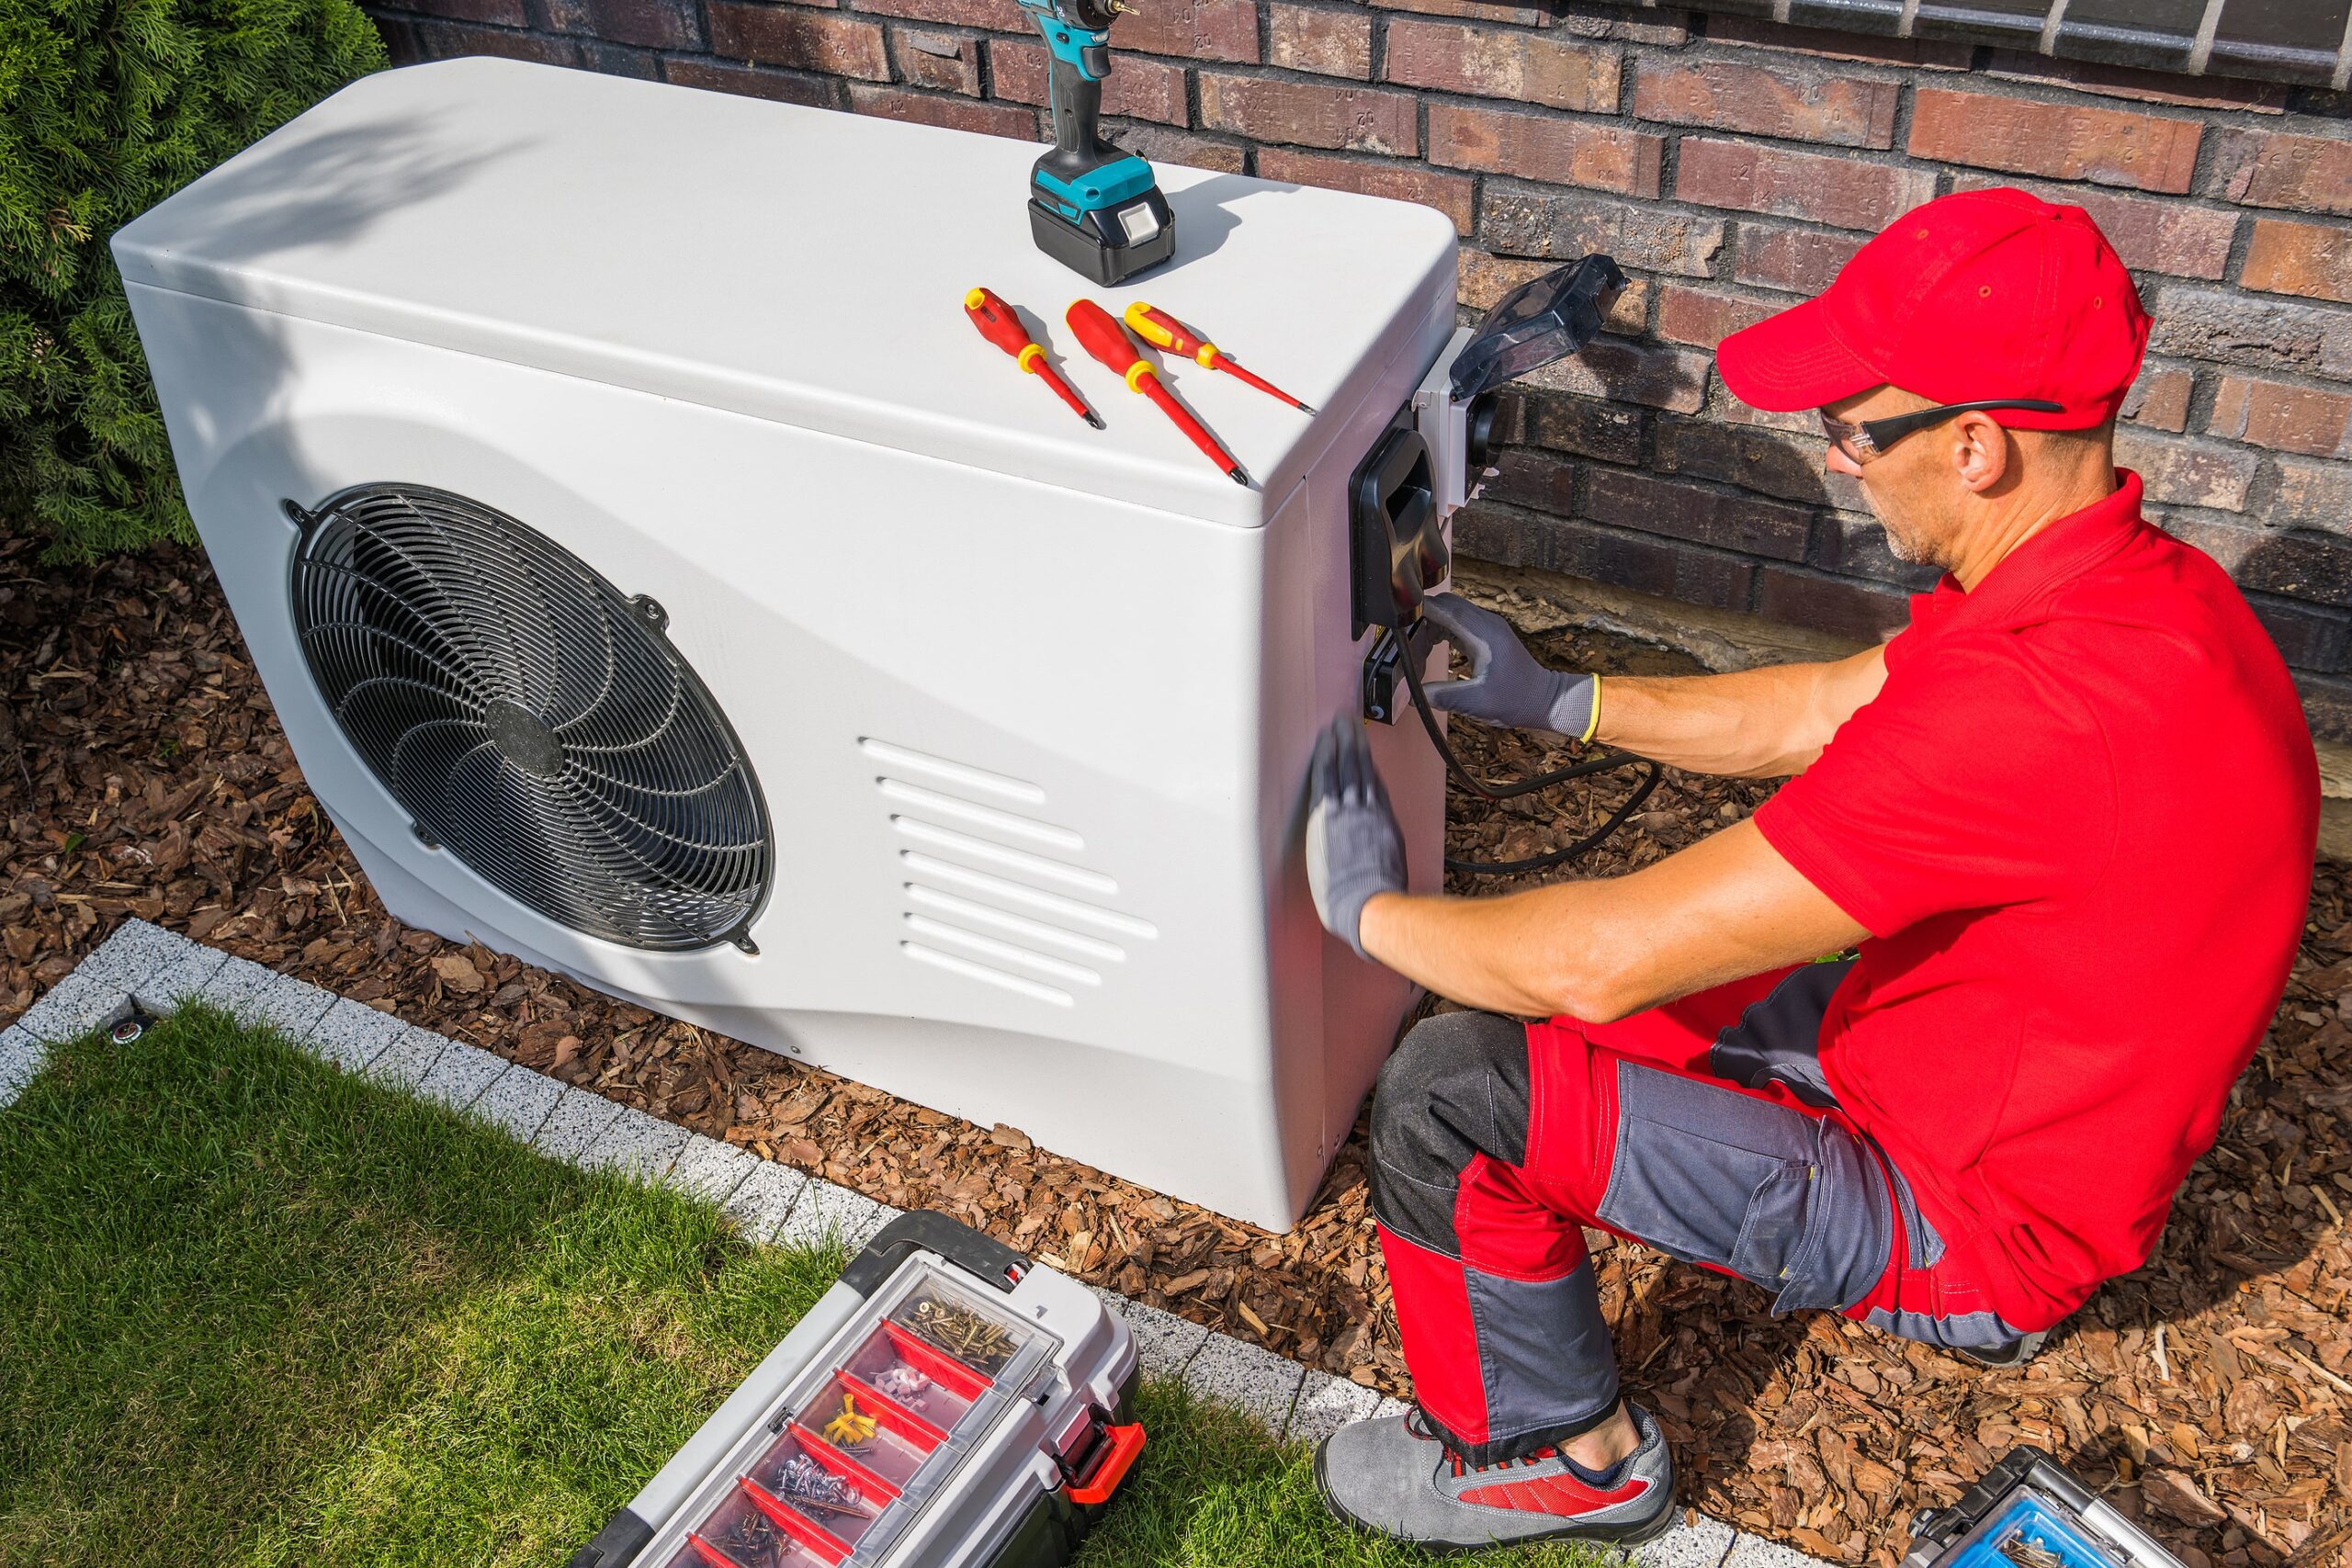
(424, 835)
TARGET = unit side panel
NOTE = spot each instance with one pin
(1349, 1010)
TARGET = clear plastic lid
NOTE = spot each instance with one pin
(870, 1429)
(740, 1534)
(955, 1321)
(1543, 319)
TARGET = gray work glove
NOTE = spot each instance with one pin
(1353, 849)
(1506, 686)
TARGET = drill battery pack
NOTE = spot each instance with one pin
(947, 1403)
(2029, 1512)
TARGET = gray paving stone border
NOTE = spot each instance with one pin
(518, 1102)
(21, 1054)
(141, 967)
(710, 1169)
(637, 1145)
(461, 1073)
(764, 1200)
(351, 1035)
(408, 1060)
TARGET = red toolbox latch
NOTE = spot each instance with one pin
(1108, 1464)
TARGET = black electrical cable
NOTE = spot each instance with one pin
(1606, 762)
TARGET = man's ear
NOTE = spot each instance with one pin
(1980, 452)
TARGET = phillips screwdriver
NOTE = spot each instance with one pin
(1164, 332)
(1099, 332)
(1001, 324)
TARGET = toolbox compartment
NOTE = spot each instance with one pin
(740, 1534)
(947, 1403)
(887, 1448)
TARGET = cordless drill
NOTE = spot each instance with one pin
(1093, 206)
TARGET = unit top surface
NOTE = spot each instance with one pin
(795, 264)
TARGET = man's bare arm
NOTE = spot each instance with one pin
(1727, 908)
(1762, 723)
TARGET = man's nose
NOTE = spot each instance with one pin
(1838, 463)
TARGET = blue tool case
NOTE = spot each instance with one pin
(2029, 1512)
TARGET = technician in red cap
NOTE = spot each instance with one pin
(2056, 835)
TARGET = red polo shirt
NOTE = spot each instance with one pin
(2079, 821)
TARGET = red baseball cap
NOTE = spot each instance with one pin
(1984, 294)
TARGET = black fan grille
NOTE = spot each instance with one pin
(531, 720)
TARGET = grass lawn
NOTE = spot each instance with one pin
(255, 1312)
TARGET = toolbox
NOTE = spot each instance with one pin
(2028, 1512)
(946, 1402)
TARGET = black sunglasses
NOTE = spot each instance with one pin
(1871, 437)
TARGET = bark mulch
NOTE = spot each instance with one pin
(142, 772)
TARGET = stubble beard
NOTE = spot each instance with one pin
(1914, 549)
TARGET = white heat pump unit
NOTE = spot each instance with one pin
(660, 580)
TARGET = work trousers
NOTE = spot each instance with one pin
(1704, 1128)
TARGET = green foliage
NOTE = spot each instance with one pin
(107, 106)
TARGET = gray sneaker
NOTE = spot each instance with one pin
(1396, 1477)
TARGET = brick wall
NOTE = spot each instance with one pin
(1730, 165)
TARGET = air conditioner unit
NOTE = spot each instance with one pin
(659, 579)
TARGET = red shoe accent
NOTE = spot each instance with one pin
(1563, 1494)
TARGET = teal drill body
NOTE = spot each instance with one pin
(1092, 206)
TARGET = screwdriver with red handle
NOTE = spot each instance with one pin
(1100, 334)
(1164, 332)
(1001, 324)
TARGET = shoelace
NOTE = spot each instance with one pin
(1419, 1426)
(1524, 1461)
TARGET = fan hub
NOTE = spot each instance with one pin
(523, 738)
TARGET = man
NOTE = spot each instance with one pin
(2066, 818)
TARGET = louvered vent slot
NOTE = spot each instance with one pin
(532, 720)
(995, 891)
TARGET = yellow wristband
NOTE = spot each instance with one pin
(1592, 725)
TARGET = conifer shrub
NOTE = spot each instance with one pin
(107, 106)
